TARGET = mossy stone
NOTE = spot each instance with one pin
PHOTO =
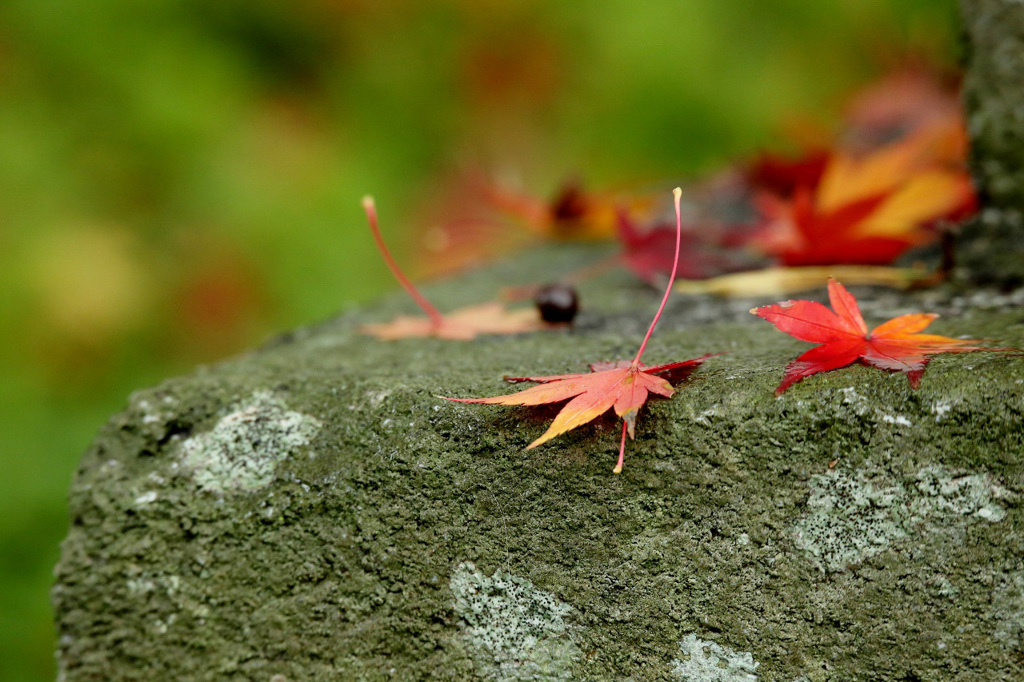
(313, 511)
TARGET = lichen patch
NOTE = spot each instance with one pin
(853, 516)
(705, 661)
(513, 630)
(940, 409)
(153, 408)
(242, 451)
(939, 492)
(1008, 610)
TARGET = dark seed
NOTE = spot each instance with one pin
(557, 303)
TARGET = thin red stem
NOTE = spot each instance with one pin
(677, 195)
(371, 214)
(622, 451)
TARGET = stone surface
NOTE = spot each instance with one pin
(312, 511)
(989, 250)
(994, 97)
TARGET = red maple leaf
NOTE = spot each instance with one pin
(782, 176)
(895, 345)
(801, 234)
(718, 225)
(621, 386)
(862, 209)
(649, 253)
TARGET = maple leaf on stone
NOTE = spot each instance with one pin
(782, 176)
(864, 209)
(895, 345)
(463, 324)
(620, 386)
(623, 386)
(648, 253)
(718, 222)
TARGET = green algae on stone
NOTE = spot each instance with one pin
(340, 567)
(988, 249)
(993, 87)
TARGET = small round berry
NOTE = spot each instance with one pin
(557, 303)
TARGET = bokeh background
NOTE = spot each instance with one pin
(181, 178)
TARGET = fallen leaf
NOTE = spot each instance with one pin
(863, 208)
(873, 230)
(782, 176)
(895, 345)
(621, 386)
(471, 217)
(848, 178)
(648, 253)
(784, 281)
(571, 214)
(461, 325)
(718, 222)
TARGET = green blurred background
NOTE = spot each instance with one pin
(181, 178)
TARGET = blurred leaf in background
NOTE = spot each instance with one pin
(181, 178)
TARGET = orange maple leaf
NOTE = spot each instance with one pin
(622, 386)
(463, 324)
(895, 345)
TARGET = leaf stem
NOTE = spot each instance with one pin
(677, 194)
(370, 207)
(622, 451)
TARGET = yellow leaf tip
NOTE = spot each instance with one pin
(617, 469)
(368, 202)
(677, 192)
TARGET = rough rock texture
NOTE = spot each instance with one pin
(311, 511)
(993, 96)
(990, 247)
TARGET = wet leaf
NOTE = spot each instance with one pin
(621, 386)
(896, 345)
(464, 324)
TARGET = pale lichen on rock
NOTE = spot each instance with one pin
(513, 630)
(863, 407)
(242, 450)
(706, 661)
(853, 516)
